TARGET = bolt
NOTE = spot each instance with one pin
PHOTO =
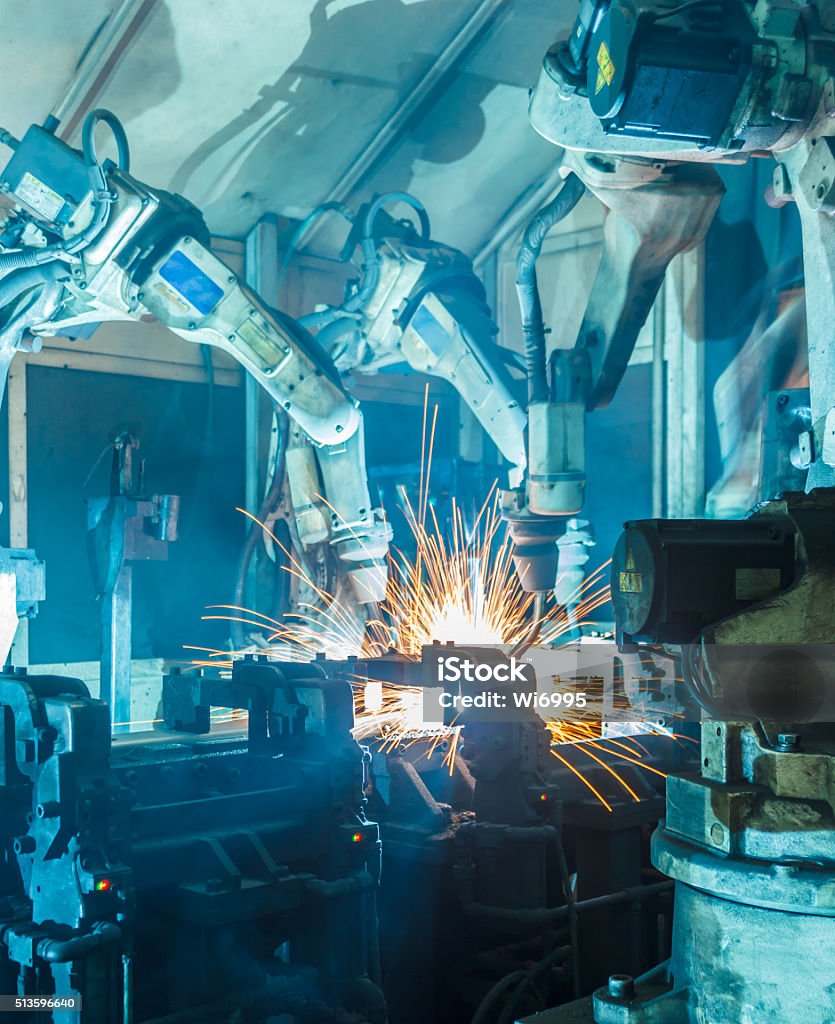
(621, 986)
(717, 833)
(24, 844)
(788, 741)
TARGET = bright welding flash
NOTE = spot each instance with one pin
(373, 696)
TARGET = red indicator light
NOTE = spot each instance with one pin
(356, 837)
(543, 797)
(104, 885)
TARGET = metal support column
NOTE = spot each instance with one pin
(124, 528)
(685, 406)
(116, 640)
(18, 486)
(261, 266)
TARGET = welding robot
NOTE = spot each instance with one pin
(237, 870)
(87, 243)
(643, 98)
(415, 301)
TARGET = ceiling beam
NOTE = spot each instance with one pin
(98, 63)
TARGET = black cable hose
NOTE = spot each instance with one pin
(88, 141)
(370, 260)
(527, 288)
(281, 589)
(518, 978)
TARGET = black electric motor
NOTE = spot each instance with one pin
(672, 72)
(671, 578)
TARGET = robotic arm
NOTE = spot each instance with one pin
(657, 92)
(123, 250)
(643, 97)
(418, 301)
(90, 243)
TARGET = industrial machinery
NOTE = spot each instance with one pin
(643, 98)
(223, 865)
(248, 837)
(87, 243)
(500, 861)
(416, 302)
(184, 874)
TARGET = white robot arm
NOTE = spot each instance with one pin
(643, 97)
(89, 243)
(419, 302)
(129, 250)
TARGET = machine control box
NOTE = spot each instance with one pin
(48, 177)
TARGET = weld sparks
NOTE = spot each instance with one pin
(460, 586)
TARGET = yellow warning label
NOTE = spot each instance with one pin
(606, 69)
(630, 581)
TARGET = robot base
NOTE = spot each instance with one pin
(733, 961)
